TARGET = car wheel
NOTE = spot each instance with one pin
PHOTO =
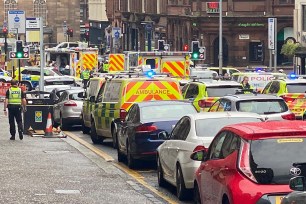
(63, 123)
(160, 174)
(121, 156)
(181, 190)
(130, 160)
(27, 85)
(93, 134)
(196, 195)
(85, 129)
(115, 139)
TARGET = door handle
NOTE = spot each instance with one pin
(177, 149)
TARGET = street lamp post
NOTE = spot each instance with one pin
(220, 39)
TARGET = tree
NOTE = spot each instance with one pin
(289, 49)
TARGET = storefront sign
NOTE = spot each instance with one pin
(212, 7)
(251, 24)
(244, 36)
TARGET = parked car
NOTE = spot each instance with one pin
(298, 196)
(192, 132)
(146, 126)
(250, 163)
(67, 110)
(269, 106)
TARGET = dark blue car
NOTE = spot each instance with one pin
(146, 126)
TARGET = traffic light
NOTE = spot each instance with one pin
(87, 36)
(161, 45)
(4, 30)
(70, 32)
(186, 48)
(21, 52)
(19, 49)
(195, 49)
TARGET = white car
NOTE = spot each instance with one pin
(192, 133)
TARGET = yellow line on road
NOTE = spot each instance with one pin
(134, 174)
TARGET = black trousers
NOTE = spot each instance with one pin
(85, 81)
(14, 113)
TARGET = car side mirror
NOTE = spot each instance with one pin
(92, 99)
(297, 183)
(199, 155)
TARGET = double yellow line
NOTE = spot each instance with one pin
(134, 174)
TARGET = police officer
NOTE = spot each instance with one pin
(85, 75)
(245, 85)
(14, 101)
(105, 66)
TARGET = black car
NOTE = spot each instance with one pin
(146, 126)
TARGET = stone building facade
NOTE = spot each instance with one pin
(245, 26)
(55, 12)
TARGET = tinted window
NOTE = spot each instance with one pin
(209, 127)
(266, 89)
(192, 91)
(181, 130)
(215, 150)
(166, 111)
(132, 115)
(277, 157)
(274, 87)
(220, 91)
(296, 88)
(262, 106)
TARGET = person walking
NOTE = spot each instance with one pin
(15, 102)
(85, 75)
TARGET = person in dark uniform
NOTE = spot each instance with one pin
(15, 102)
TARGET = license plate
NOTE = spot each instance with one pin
(278, 199)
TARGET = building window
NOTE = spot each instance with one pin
(40, 10)
(9, 5)
(286, 1)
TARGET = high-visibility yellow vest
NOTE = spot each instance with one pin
(85, 74)
(14, 96)
(105, 67)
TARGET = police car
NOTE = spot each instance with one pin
(292, 90)
(119, 93)
(204, 93)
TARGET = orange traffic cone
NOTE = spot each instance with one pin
(49, 128)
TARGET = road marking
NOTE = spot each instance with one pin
(134, 174)
(99, 152)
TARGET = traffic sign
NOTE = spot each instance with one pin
(16, 20)
(32, 23)
(148, 27)
(116, 32)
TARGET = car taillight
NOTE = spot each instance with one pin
(145, 128)
(244, 161)
(289, 116)
(123, 114)
(199, 148)
(70, 103)
(288, 99)
(204, 104)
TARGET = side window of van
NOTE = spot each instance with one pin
(92, 88)
(112, 90)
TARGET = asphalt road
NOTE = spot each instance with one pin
(147, 170)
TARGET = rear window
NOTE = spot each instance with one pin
(262, 106)
(210, 127)
(75, 97)
(296, 88)
(272, 159)
(220, 91)
(137, 91)
(166, 111)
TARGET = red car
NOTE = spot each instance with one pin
(251, 163)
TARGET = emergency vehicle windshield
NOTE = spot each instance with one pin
(219, 91)
(296, 88)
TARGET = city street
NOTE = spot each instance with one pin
(55, 170)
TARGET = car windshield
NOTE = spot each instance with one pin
(296, 88)
(209, 127)
(220, 91)
(166, 111)
(264, 107)
(74, 96)
(271, 160)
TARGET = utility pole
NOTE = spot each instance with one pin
(220, 39)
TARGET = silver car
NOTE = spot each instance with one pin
(268, 106)
(191, 133)
(67, 110)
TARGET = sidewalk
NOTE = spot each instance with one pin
(53, 170)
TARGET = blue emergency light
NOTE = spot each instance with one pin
(150, 73)
(292, 75)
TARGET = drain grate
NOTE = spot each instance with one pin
(67, 191)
